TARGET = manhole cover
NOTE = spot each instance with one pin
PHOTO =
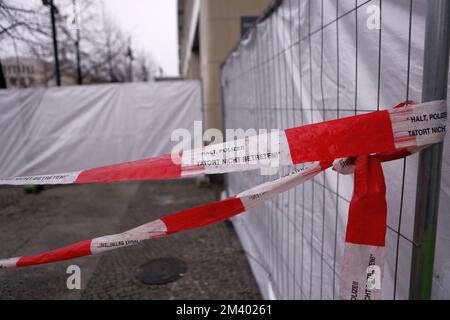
(161, 271)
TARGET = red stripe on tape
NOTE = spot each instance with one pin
(148, 169)
(204, 215)
(353, 136)
(76, 250)
(368, 209)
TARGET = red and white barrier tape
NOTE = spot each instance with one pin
(359, 144)
(185, 220)
(374, 132)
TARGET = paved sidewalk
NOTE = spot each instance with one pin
(217, 267)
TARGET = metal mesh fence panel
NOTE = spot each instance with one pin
(309, 61)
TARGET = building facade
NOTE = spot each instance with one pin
(26, 72)
(208, 31)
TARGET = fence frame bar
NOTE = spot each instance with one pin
(435, 80)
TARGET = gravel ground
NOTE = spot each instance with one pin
(217, 266)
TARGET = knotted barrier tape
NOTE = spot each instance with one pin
(357, 144)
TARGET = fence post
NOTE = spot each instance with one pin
(435, 79)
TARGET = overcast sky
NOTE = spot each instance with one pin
(153, 26)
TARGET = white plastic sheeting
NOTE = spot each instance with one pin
(79, 127)
(276, 78)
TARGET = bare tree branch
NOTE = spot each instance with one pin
(104, 52)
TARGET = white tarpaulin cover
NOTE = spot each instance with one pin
(79, 127)
(284, 237)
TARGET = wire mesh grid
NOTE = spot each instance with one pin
(288, 72)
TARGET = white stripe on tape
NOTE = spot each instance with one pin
(154, 229)
(263, 192)
(63, 178)
(8, 263)
(420, 124)
(250, 153)
(362, 272)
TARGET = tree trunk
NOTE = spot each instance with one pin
(2, 78)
